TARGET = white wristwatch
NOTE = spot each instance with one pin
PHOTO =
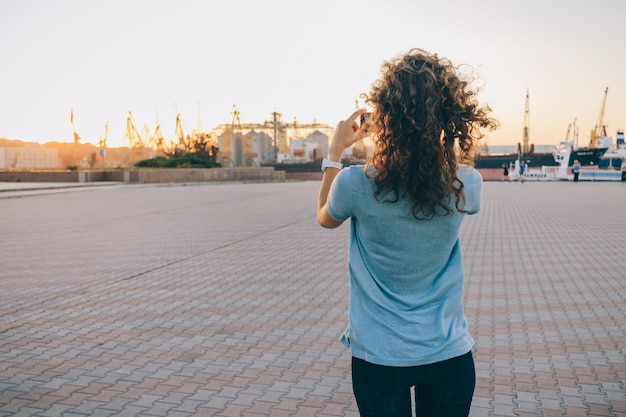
(331, 164)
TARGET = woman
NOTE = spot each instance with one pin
(407, 326)
(576, 170)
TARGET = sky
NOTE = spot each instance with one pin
(305, 60)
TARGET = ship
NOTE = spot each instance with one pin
(585, 156)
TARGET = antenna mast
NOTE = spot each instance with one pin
(525, 136)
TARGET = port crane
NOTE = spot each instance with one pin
(132, 134)
(574, 130)
(600, 128)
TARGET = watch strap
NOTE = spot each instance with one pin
(326, 163)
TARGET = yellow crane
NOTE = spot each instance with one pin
(600, 129)
(132, 134)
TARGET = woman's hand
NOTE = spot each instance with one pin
(347, 133)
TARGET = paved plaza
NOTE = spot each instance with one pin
(228, 300)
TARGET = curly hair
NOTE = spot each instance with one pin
(425, 122)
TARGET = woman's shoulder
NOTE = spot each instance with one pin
(468, 170)
(355, 171)
(350, 174)
(354, 177)
(469, 174)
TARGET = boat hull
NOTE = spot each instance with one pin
(586, 157)
(498, 161)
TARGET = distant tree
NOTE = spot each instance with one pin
(196, 150)
(203, 147)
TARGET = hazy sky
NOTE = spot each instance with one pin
(309, 60)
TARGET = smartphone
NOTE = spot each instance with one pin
(365, 117)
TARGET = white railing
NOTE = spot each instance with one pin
(600, 175)
(545, 173)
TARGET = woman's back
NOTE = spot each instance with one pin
(404, 268)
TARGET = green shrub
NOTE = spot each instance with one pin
(181, 162)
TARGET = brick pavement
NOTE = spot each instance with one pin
(228, 300)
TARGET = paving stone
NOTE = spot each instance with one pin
(229, 299)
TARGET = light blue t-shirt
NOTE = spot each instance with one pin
(406, 275)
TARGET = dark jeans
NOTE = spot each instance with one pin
(441, 389)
